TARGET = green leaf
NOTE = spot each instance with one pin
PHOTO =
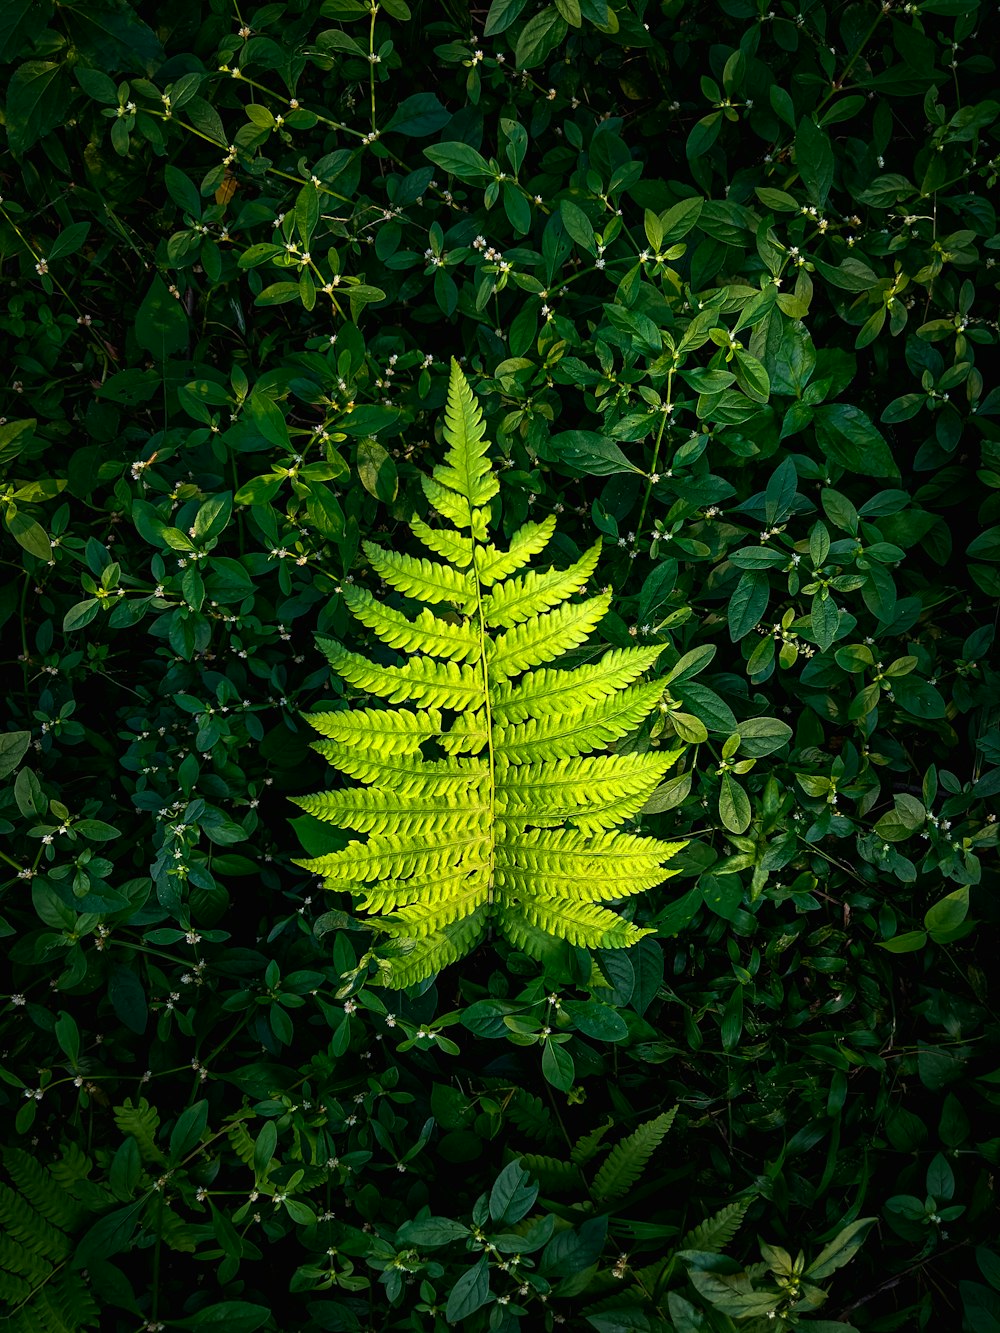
(69, 240)
(578, 226)
(377, 471)
(501, 15)
(760, 736)
(909, 942)
(458, 159)
(539, 37)
(948, 913)
(840, 1250)
(748, 603)
(37, 97)
(512, 1195)
(814, 159)
(161, 326)
(229, 1317)
(734, 805)
(29, 534)
(13, 748)
(418, 115)
(589, 452)
(470, 1293)
(81, 614)
(558, 1067)
(849, 437)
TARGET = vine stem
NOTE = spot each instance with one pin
(667, 406)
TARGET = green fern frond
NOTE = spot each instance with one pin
(586, 1148)
(63, 1305)
(531, 1116)
(626, 1161)
(46, 1195)
(554, 1175)
(517, 825)
(141, 1122)
(74, 1165)
(37, 1215)
(241, 1142)
(715, 1233)
(547, 636)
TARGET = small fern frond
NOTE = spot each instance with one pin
(554, 1175)
(467, 467)
(241, 1143)
(586, 1148)
(424, 580)
(531, 1116)
(21, 1223)
(715, 1233)
(404, 774)
(44, 1194)
(368, 808)
(421, 680)
(392, 855)
(518, 822)
(22, 1266)
(627, 1160)
(583, 924)
(63, 1305)
(595, 793)
(141, 1122)
(73, 1166)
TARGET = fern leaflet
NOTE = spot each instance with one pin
(482, 803)
(625, 1163)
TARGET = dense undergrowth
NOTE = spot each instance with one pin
(722, 280)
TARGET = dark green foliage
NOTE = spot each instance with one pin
(722, 279)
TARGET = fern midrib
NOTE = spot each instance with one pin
(491, 795)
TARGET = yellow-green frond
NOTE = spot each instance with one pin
(390, 731)
(547, 636)
(420, 680)
(448, 503)
(423, 580)
(518, 823)
(427, 633)
(516, 600)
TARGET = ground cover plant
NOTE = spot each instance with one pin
(592, 397)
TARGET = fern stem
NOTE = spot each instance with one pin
(481, 618)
